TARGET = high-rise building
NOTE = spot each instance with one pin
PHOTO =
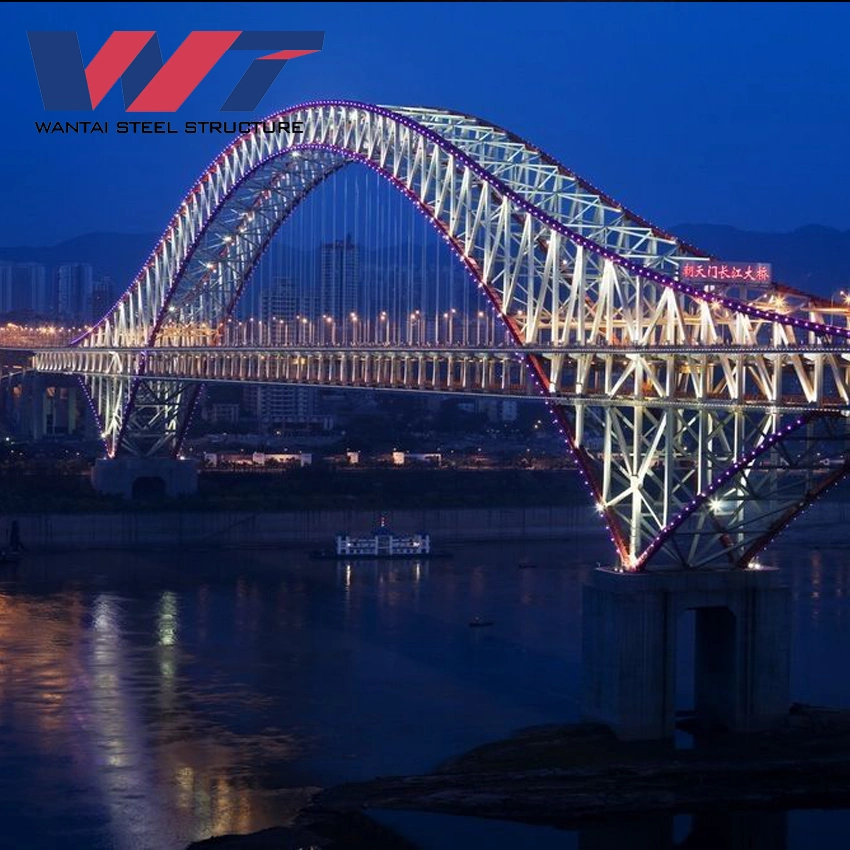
(280, 405)
(279, 309)
(74, 288)
(5, 288)
(23, 289)
(102, 298)
(339, 279)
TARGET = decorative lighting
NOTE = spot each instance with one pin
(224, 185)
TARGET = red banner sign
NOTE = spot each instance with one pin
(693, 272)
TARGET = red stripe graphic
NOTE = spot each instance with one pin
(112, 60)
(288, 54)
(180, 75)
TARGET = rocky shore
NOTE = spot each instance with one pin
(571, 775)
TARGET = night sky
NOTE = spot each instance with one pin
(735, 114)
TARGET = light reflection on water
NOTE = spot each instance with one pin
(148, 700)
(754, 830)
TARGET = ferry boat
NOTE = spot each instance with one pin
(382, 543)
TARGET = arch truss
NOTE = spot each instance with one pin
(703, 419)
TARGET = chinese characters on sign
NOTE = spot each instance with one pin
(726, 272)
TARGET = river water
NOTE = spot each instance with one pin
(151, 699)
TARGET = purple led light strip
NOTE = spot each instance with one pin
(540, 215)
(796, 511)
(295, 203)
(506, 191)
(724, 478)
(634, 268)
(172, 290)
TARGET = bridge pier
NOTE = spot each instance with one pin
(145, 477)
(742, 648)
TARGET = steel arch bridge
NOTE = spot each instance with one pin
(700, 417)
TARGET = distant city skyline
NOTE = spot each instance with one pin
(810, 258)
(68, 292)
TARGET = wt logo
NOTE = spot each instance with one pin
(149, 85)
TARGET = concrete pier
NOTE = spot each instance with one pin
(145, 477)
(742, 648)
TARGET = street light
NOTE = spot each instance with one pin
(332, 325)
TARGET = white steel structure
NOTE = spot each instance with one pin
(721, 412)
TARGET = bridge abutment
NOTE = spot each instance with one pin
(145, 477)
(741, 658)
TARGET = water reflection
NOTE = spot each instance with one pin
(167, 619)
(114, 731)
(98, 719)
(379, 572)
(725, 830)
(151, 700)
(753, 830)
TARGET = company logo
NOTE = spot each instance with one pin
(148, 84)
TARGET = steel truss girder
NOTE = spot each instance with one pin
(780, 380)
(574, 275)
(145, 415)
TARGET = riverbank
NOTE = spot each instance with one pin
(247, 530)
(313, 488)
(570, 776)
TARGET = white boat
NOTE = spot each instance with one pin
(382, 543)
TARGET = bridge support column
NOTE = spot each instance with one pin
(145, 477)
(741, 659)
